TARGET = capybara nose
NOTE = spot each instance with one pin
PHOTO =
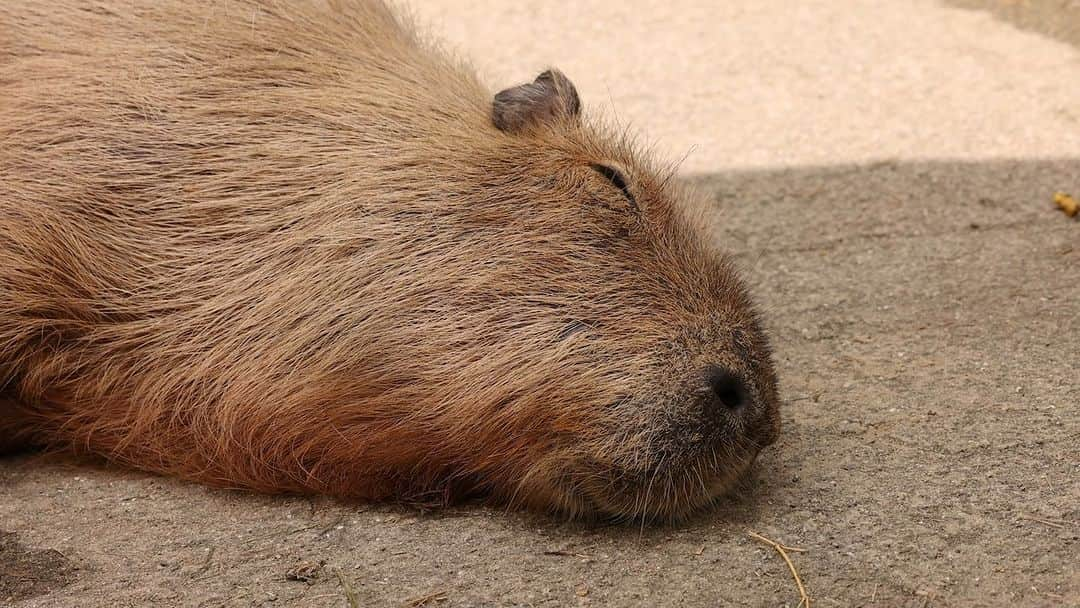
(725, 393)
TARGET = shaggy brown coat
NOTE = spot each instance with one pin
(293, 247)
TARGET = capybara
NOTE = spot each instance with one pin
(296, 247)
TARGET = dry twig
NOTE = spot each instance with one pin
(424, 600)
(1053, 523)
(350, 594)
(804, 598)
(567, 554)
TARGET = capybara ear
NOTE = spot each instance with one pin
(548, 98)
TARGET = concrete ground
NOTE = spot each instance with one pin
(883, 172)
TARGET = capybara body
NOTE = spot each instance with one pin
(293, 247)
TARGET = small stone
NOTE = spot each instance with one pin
(304, 572)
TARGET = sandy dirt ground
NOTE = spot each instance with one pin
(883, 172)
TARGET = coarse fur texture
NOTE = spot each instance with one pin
(294, 247)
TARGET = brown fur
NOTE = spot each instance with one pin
(284, 247)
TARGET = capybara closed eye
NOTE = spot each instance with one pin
(293, 247)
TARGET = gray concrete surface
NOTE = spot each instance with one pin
(883, 172)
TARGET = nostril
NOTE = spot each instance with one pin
(727, 388)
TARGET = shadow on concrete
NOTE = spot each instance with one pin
(926, 319)
(1059, 19)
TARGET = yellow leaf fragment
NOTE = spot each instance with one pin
(1067, 203)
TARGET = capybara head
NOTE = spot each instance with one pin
(290, 247)
(639, 365)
